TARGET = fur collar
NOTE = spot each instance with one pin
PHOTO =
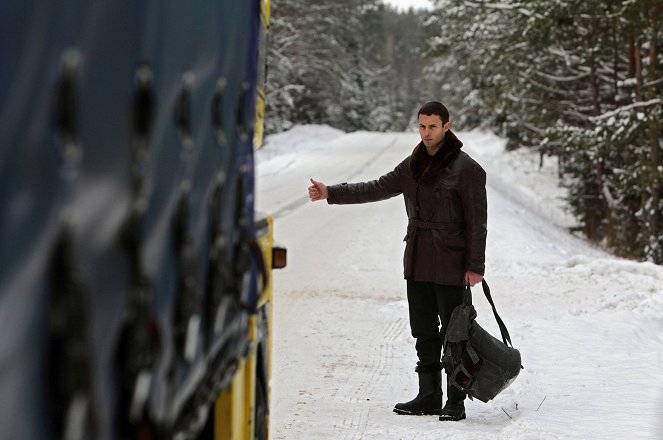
(425, 168)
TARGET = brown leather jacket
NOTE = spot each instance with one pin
(446, 208)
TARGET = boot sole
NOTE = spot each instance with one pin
(432, 412)
(449, 418)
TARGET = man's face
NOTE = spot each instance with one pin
(431, 129)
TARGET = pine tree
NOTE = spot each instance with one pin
(353, 64)
(580, 80)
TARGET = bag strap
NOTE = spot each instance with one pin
(503, 330)
(500, 323)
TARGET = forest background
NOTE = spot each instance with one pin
(579, 81)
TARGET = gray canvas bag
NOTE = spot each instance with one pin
(476, 362)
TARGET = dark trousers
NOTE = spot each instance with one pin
(430, 308)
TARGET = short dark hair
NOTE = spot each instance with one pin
(435, 108)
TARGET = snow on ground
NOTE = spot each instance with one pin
(589, 325)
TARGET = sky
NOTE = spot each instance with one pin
(404, 4)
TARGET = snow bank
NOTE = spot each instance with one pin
(521, 176)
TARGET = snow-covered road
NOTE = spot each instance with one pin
(589, 325)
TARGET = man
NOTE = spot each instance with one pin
(445, 200)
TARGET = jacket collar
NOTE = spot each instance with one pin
(426, 168)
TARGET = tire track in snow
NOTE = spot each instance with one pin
(379, 362)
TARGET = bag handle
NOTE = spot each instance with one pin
(503, 330)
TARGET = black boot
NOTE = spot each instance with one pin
(454, 409)
(429, 399)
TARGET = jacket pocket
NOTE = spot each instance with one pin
(443, 202)
(450, 253)
(450, 205)
(455, 240)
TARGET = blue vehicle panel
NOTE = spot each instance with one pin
(126, 212)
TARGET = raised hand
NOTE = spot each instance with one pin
(317, 191)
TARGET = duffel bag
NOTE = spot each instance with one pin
(476, 362)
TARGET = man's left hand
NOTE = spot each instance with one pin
(473, 278)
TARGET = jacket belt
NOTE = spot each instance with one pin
(445, 226)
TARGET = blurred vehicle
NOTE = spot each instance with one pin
(135, 277)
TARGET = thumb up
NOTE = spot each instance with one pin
(317, 191)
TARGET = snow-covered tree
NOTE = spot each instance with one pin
(353, 64)
(578, 79)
